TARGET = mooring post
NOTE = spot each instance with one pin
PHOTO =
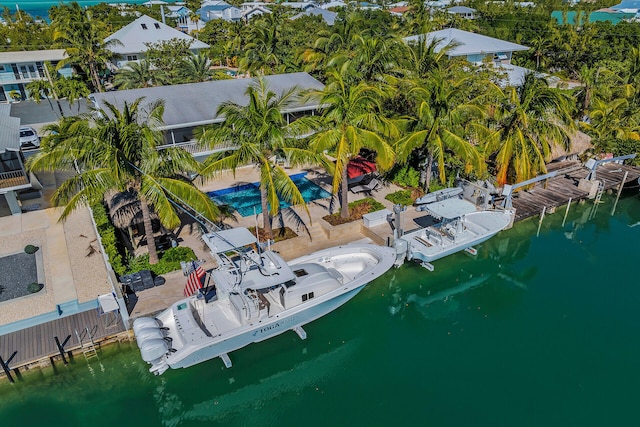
(566, 212)
(624, 180)
(544, 209)
(61, 347)
(5, 366)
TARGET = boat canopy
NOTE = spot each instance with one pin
(450, 208)
(227, 240)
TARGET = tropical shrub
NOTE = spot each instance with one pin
(169, 261)
(407, 177)
(31, 249)
(402, 197)
(108, 237)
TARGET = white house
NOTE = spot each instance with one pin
(134, 38)
(328, 16)
(219, 10)
(462, 11)
(253, 12)
(477, 49)
(182, 16)
(18, 69)
(332, 4)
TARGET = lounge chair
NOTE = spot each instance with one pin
(368, 188)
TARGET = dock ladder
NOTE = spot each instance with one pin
(86, 343)
(600, 192)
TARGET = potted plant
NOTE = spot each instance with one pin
(15, 96)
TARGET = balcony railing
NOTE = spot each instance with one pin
(192, 147)
(13, 179)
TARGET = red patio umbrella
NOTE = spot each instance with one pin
(360, 166)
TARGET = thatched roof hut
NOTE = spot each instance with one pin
(124, 209)
(579, 143)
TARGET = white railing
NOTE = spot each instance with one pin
(192, 147)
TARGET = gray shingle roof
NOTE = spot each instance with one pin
(9, 129)
(196, 104)
(468, 43)
(133, 36)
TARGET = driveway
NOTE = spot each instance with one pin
(31, 113)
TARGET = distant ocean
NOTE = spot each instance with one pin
(40, 8)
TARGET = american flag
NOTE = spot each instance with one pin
(194, 282)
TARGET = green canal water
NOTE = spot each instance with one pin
(540, 329)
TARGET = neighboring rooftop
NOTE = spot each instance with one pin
(9, 129)
(328, 16)
(136, 35)
(32, 56)
(466, 43)
(195, 104)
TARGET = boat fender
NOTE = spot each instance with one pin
(153, 350)
(144, 322)
(147, 334)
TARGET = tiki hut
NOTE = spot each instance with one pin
(125, 213)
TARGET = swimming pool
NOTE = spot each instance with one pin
(245, 198)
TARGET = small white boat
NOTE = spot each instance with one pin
(459, 226)
(257, 296)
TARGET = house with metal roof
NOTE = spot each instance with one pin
(474, 47)
(477, 49)
(189, 106)
(18, 69)
(462, 11)
(13, 175)
(333, 4)
(134, 38)
(220, 10)
(327, 16)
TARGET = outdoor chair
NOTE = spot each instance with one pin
(366, 188)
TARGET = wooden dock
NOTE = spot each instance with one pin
(38, 342)
(558, 190)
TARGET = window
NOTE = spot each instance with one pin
(132, 57)
(157, 26)
(144, 26)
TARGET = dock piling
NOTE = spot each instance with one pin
(5, 366)
(615, 204)
(566, 212)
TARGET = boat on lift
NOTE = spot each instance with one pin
(458, 225)
(254, 295)
(437, 196)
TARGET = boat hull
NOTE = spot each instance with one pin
(265, 330)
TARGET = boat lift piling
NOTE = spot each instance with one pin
(544, 209)
(566, 212)
(615, 204)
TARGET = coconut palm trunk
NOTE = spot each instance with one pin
(344, 194)
(148, 231)
(428, 171)
(266, 217)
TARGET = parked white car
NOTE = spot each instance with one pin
(29, 138)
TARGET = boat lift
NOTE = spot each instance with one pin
(592, 164)
(508, 189)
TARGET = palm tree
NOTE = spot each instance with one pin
(261, 54)
(135, 75)
(259, 131)
(117, 150)
(351, 120)
(197, 68)
(73, 89)
(526, 124)
(82, 37)
(438, 125)
(39, 89)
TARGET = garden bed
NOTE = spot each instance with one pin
(279, 234)
(356, 210)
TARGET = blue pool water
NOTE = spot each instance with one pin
(245, 198)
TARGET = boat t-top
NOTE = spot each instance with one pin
(253, 295)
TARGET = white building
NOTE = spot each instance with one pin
(134, 38)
